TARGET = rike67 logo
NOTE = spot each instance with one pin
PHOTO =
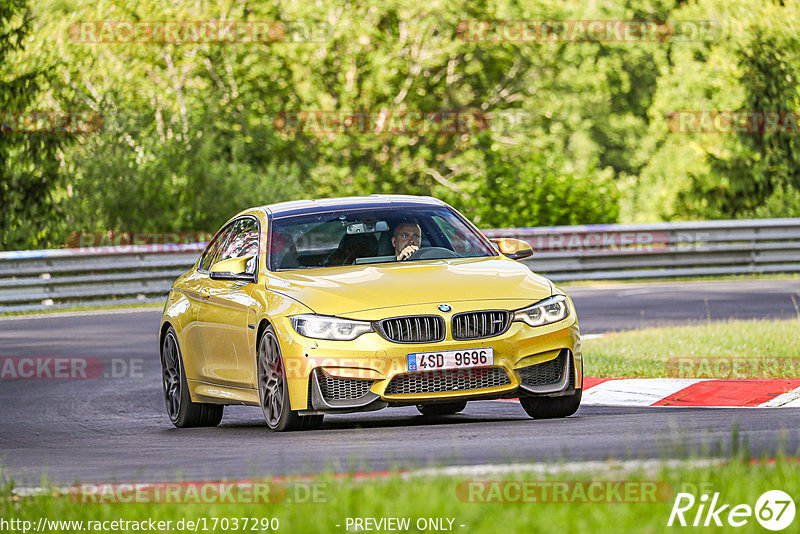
(774, 510)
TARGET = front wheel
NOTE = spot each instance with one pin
(273, 389)
(551, 407)
(182, 411)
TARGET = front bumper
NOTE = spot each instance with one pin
(371, 372)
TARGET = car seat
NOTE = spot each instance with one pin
(354, 246)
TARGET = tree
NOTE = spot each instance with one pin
(749, 64)
(29, 163)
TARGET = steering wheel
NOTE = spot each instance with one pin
(326, 260)
(432, 253)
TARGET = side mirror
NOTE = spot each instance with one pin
(516, 249)
(232, 269)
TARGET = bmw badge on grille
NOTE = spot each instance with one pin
(445, 308)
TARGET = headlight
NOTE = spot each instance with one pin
(322, 327)
(550, 310)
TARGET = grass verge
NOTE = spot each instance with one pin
(728, 349)
(590, 501)
(69, 309)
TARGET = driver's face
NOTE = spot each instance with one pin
(406, 234)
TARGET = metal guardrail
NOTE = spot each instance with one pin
(44, 279)
(662, 250)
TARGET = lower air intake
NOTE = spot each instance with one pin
(447, 380)
(545, 373)
(342, 388)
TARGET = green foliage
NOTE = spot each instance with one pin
(29, 168)
(751, 65)
(783, 202)
(135, 177)
(515, 191)
(740, 182)
(578, 131)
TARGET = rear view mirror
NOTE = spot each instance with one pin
(516, 249)
(367, 227)
(232, 269)
(357, 228)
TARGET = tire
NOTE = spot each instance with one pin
(445, 408)
(273, 389)
(182, 411)
(551, 407)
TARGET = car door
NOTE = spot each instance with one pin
(194, 289)
(223, 312)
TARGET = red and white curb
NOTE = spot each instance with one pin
(774, 393)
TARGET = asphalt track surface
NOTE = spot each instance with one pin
(116, 429)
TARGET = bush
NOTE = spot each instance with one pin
(517, 192)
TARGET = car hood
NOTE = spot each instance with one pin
(352, 290)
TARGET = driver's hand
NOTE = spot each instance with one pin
(407, 252)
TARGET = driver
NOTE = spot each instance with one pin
(406, 240)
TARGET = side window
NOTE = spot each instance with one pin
(321, 238)
(214, 250)
(237, 240)
(243, 241)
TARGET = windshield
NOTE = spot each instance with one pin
(376, 235)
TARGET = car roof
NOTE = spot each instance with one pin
(301, 207)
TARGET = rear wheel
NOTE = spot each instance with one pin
(445, 408)
(551, 407)
(273, 389)
(181, 410)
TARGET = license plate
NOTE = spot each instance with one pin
(450, 359)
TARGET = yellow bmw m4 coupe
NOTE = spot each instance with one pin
(345, 305)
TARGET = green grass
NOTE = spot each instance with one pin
(155, 306)
(728, 349)
(738, 482)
